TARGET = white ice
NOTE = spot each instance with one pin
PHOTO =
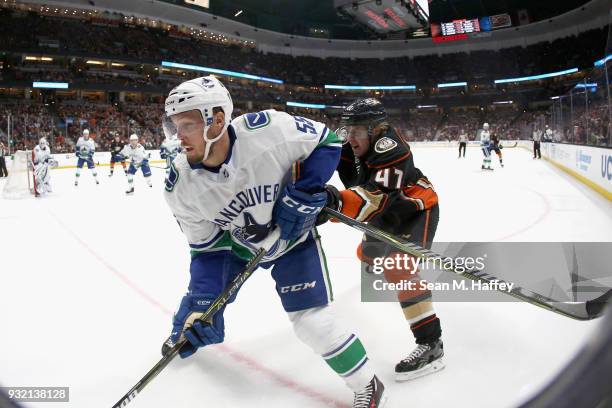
(90, 278)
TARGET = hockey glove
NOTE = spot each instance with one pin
(197, 334)
(295, 211)
(333, 202)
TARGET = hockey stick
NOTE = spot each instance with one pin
(158, 167)
(150, 165)
(576, 310)
(509, 147)
(217, 305)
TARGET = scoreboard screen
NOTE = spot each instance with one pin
(460, 27)
(386, 16)
(470, 26)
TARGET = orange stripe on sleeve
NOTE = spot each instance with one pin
(351, 203)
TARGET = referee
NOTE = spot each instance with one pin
(462, 142)
(537, 137)
(3, 152)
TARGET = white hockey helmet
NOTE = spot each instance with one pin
(43, 142)
(201, 94)
(133, 137)
(485, 126)
(86, 133)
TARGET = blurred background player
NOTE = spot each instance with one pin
(3, 152)
(42, 160)
(85, 149)
(385, 190)
(170, 147)
(115, 149)
(139, 159)
(485, 146)
(496, 146)
(463, 139)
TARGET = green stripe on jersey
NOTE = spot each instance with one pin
(348, 358)
(330, 139)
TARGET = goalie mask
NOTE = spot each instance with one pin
(43, 142)
(202, 95)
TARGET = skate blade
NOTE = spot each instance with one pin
(431, 368)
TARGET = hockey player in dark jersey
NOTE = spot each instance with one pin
(496, 147)
(115, 150)
(384, 189)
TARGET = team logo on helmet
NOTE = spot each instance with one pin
(384, 145)
(208, 83)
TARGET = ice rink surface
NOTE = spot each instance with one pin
(91, 277)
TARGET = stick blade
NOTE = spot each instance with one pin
(596, 307)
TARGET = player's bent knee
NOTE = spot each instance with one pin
(318, 328)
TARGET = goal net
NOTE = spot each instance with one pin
(20, 182)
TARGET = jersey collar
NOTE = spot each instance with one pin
(215, 169)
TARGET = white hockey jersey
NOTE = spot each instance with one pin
(85, 148)
(171, 146)
(40, 155)
(485, 137)
(136, 155)
(230, 207)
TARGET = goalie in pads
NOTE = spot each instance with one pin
(41, 161)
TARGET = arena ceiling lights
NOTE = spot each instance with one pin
(372, 88)
(602, 61)
(452, 84)
(306, 105)
(220, 72)
(535, 77)
(50, 85)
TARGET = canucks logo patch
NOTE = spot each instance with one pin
(172, 178)
(256, 120)
(251, 232)
(384, 145)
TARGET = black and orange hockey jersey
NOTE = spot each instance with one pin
(384, 186)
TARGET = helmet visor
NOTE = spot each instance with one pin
(187, 124)
(346, 133)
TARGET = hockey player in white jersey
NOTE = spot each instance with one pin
(42, 160)
(168, 151)
(485, 145)
(85, 149)
(139, 159)
(235, 181)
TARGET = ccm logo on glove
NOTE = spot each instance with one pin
(305, 209)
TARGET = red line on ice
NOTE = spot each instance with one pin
(239, 357)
